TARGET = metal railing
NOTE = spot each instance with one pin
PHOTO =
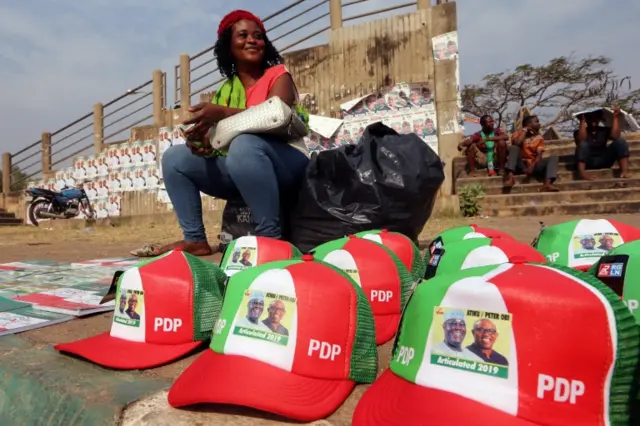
(119, 115)
(135, 104)
(316, 23)
(301, 24)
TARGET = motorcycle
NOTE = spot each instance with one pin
(66, 204)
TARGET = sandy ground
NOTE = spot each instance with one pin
(72, 242)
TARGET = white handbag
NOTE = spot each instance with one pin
(272, 117)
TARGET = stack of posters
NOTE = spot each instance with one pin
(65, 290)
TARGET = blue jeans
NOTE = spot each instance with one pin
(257, 170)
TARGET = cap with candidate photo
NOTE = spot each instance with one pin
(509, 345)
(293, 339)
(620, 271)
(460, 233)
(164, 309)
(401, 246)
(476, 252)
(379, 272)
(248, 251)
(580, 243)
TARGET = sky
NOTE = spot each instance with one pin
(59, 57)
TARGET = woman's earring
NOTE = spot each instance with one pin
(233, 69)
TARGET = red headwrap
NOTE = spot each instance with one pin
(238, 15)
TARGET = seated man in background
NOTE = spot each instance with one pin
(592, 151)
(525, 155)
(484, 146)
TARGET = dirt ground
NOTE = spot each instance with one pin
(65, 242)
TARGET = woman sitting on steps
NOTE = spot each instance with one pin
(257, 168)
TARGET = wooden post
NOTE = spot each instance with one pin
(6, 174)
(98, 128)
(46, 153)
(185, 81)
(158, 98)
(443, 20)
(335, 12)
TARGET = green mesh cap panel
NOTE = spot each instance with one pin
(624, 381)
(364, 356)
(295, 252)
(208, 281)
(418, 268)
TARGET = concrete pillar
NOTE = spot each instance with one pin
(98, 128)
(46, 153)
(443, 20)
(424, 4)
(335, 12)
(158, 98)
(185, 81)
(6, 173)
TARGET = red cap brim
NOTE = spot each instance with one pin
(238, 380)
(386, 327)
(121, 354)
(392, 400)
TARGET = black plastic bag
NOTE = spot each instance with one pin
(387, 181)
(236, 222)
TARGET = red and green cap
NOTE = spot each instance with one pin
(164, 308)
(293, 339)
(509, 345)
(464, 232)
(476, 252)
(248, 251)
(401, 246)
(580, 243)
(378, 271)
(621, 273)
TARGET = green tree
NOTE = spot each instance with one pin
(18, 177)
(553, 91)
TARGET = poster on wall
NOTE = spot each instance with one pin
(445, 46)
(149, 152)
(136, 154)
(164, 139)
(406, 108)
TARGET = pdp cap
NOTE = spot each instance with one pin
(402, 247)
(293, 339)
(385, 281)
(460, 233)
(165, 307)
(248, 251)
(620, 271)
(476, 252)
(509, 345)
(580, 243)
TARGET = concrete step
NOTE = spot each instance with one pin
(496, 188)
(558, 198)
(563, 176)
(4, 214)
(567, 160)
(632, 139)
(577, 209)
(10, 221)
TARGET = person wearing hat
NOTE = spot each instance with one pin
(259, 169)
(455, 330)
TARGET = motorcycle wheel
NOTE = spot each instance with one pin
(34, 208)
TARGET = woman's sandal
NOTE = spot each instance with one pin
(152, 250)
(147, 250)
